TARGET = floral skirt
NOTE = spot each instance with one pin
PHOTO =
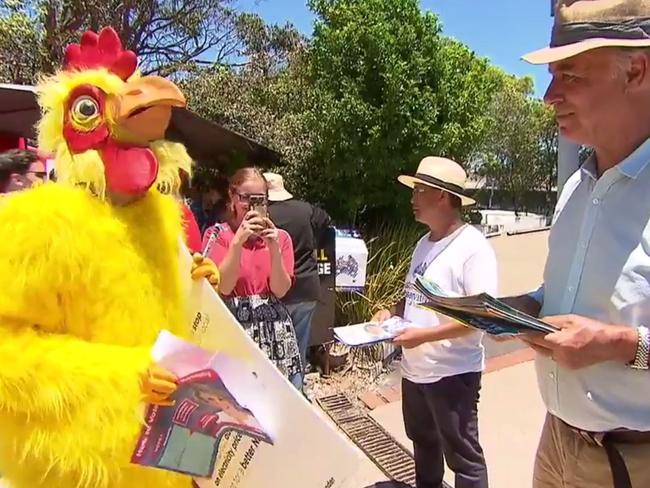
(267, 322)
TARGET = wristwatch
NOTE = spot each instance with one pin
(642, 358)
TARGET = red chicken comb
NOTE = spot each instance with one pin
(103, 50)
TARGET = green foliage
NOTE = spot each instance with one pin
(390, 90)
(519, 153)
(388, 263)
(260, 100)
(20, 55)
(168, 35)
(375, 89)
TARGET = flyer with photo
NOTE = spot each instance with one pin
(370, 332)
(186, 436)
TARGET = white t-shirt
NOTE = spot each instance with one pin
(462, 263)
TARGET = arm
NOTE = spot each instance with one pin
(416, 336)
(227, 252)
(320, 220)
(228, 260)
(386, 313)
(192, 232)
(57, 376)
(480, 275)
(581, 342)
(281, 265)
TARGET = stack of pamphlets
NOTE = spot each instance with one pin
(482, 312)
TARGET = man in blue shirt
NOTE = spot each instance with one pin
(593, 373)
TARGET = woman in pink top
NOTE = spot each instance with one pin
(255, 260)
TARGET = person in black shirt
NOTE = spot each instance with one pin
(305, 224)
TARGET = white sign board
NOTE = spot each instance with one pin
(308, 450)
(351, 263)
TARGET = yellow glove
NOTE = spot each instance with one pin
(157, 385)
(203, 267)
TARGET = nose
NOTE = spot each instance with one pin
(553, 93)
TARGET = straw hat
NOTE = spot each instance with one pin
(277, 192)
(441, 173)
(582, 25)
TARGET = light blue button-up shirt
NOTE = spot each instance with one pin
(598, 266)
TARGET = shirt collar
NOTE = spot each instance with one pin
(631, 166)
(636, 162)
(589, 167)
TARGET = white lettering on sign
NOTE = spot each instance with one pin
(324, 268)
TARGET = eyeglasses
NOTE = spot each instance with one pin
(38, 174)
(419, 190)
(246, 197)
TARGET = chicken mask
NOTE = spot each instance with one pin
(104, 122)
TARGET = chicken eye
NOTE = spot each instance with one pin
(84, 109)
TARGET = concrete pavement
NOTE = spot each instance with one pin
(510, 420)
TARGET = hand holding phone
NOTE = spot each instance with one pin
(257, 203)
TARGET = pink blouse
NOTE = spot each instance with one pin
(255, 264)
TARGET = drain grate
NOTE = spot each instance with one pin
(388, 454)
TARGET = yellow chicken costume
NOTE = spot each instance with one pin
(90, 275)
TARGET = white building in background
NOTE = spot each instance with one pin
(496, 222)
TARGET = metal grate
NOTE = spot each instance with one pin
(388, 454)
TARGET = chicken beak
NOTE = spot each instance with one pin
(141, 112)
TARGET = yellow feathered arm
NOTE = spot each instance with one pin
(77, 399)
(51, 376)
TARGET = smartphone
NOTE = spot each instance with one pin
(258, 204)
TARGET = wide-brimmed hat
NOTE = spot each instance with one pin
(582, 25)
(277, 192)
(441, 173)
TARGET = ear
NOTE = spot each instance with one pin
(638, 70)
(16, 180)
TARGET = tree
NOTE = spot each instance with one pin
(20, 48)
(388, 90)
(266, 99)
(168, 35)
(548, 152)
(520, 150)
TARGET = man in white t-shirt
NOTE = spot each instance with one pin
(443, 360)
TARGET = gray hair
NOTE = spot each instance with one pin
(623, 56)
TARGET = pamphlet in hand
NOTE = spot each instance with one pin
(370, 332)
(482, 312)
(185, 437)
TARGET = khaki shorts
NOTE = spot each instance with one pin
(566, 460)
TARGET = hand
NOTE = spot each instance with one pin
(203, 267)
(252, 225)
(381, 316)
(410, 338)
(270, 234)
(157, 384)
(582, 342)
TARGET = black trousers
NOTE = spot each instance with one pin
(441, 419)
